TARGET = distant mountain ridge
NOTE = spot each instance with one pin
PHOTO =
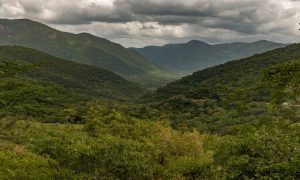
(186, 58)
(82, 48)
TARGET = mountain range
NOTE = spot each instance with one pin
(184, 59)
(83, 48)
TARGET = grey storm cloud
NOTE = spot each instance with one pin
(164, 19)
(241, 16)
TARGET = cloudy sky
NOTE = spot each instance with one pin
(155, 22)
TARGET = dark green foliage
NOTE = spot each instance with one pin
(42, 101)
(10, 69)
(283, 80)
(82, 48)
(76, 77)
(184, 59)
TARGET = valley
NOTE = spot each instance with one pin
(77, 106)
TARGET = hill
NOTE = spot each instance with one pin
(77, 77)
(48, 132)
(237, 73)
(183, 59)
(82, 48)
(215, 99)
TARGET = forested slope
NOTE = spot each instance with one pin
(77, 77)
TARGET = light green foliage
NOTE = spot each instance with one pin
(105, 156)
(165, 145)
(267, 152)
(21, 164)
(116, 153)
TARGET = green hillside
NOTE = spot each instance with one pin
(48, 132)
(184, 59)
(76, 77)
(82, 48)
(239, 73)
(218, 98)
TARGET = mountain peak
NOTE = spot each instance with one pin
(263, 41)
(183, 59)
(19, 21)
(197, 42)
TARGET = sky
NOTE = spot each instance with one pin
(138, 23)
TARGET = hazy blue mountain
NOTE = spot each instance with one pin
(82, 48)
(195, 55)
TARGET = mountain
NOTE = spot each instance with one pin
(238, 73)
(77, 77)
(82, 48)
(183, 59)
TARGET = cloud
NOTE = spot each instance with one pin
(161, 21)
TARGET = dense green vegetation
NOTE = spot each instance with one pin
(83, 48)
(77, 77)
(184, 59)
(221, 123)
(45, 102)
(217, 98)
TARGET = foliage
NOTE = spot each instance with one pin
(20, 164)
(75, 77)
(217, 98)
(216, 131)
(283, 83)
(117, 154)
(46, 102)
(10, 69)
(266, 152)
